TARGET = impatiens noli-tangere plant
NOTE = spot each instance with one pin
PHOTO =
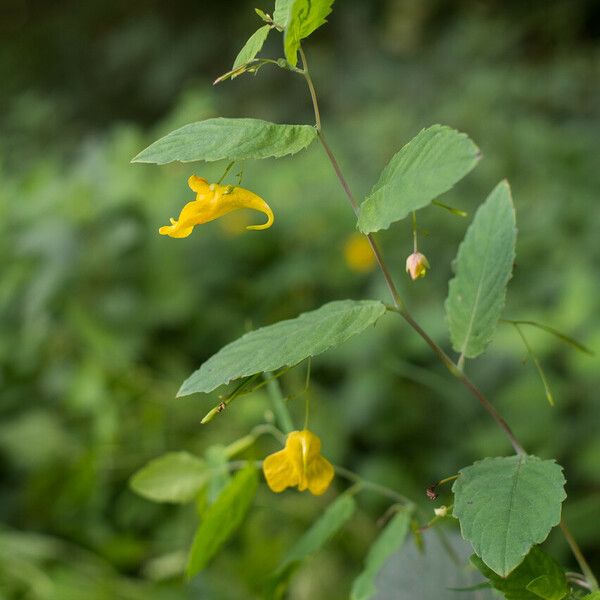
(505, 506)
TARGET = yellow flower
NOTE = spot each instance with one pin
(358, 254)
(213, 201)
(417, 265)
(299, 464)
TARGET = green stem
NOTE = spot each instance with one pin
(578, 554)
(307, 397)
(414, 231)
(282, 414)
(454, 369)
(370, 485)
(227, 169)
(397, 299)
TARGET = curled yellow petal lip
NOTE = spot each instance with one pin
(299, 464)
(212, 201)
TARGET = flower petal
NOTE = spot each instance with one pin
(213, 201)
(319, 474)
(198, 184)
(235, 198)
(280, 472)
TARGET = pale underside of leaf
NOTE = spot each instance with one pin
(174, 477)
(252, 47)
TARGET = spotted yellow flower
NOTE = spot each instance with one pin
(213, 201)
(299, 464)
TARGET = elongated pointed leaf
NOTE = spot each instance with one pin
(304, 17)
(506, 505)
(538, 576)
(285, 343)
(231, 139)
(337, 514)
(388, 542)
(222, 519)
(252, 47)
(173, 477)
(429, 165)
(483, 267)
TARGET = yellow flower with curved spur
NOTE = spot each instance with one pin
(214, 200)
(299, 464)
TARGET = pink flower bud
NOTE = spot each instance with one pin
(417, 265)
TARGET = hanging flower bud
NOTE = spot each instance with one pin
(417, 265)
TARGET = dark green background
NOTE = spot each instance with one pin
(102, 319)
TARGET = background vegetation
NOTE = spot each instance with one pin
(102, 319)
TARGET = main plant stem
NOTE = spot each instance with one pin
(401, 309)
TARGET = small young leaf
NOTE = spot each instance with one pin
(252, 47)
(232, 139)
(483, 267)
(506, 505)
(538, 576)
(304, 17)
(263, 15)
(222, 519)
(388, 542)
(337, 514)
(286, 343)
(173, 477)
(429, 165)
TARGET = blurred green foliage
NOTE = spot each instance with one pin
(101, 319)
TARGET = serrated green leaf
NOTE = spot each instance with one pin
(304, 17)
(222, 519)
(429, 165)
(337, 514)
(284, 344)
(231, 139)
(592, 596)
(252, 47)
(388, 542)
(282, 12)
(483, 267)
(174, 477)
(505, 505)
(434, 572)
(538, 576)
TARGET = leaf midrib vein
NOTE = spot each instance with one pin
(477, 295)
